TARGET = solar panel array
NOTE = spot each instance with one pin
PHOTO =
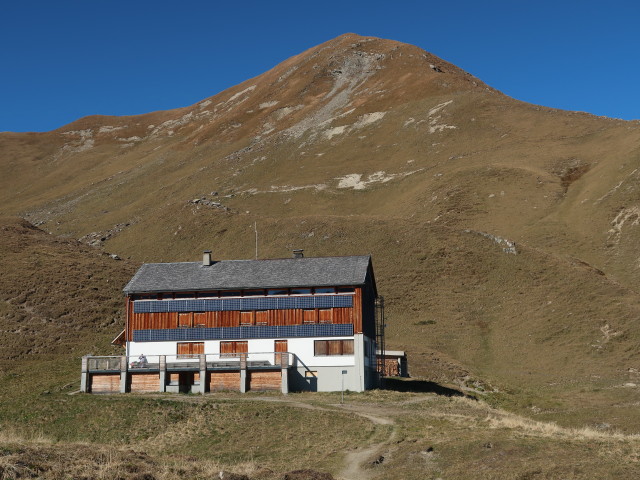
(249, 303)
(234, 333)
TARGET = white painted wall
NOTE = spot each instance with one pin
(259, 349)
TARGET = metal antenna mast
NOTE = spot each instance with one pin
(255, 228)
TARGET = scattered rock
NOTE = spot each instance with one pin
(378, 460)
(209, 203)
(507, 245)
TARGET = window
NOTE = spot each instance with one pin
(333, 347)
(345, 290)
(145, 296)
(185, 295)
(322, 290)
(208, 295)
(300, 291)
(233, 349)
(277, 291)
(190, 349)
(253, 293)
(230, 293)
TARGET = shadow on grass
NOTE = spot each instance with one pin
(421, 386)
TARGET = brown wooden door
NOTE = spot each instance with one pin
(185, 320)
(279, 346)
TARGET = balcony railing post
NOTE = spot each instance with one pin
(84, 376)
(203, 373)
(162, 366)
(243, 372)
(123, 374)
(284, 372)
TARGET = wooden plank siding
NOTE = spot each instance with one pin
(153, 321)
(105, 383)
(219, 381)
(265, 380)
(144, 382)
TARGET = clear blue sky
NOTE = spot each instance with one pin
(61, 60)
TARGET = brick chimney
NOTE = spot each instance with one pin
(206, 258)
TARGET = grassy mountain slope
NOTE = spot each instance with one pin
(363, 145)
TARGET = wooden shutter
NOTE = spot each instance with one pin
(325, 315)
(233, 349)
(190, 349)
(246, 318)
(185, 320)
(262, 317)
(279, 346)
(333, 347)
(320, 347)
(308, 316)
(199, 319)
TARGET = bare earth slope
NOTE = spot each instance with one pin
(364, 145)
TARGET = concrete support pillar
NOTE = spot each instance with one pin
(243, 373)
(123, 374)
(163, 373)
(84, 376)
(203, 373)
(284, 365)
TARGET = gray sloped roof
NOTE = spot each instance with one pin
(235, 274)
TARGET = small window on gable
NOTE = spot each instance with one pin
(185, 295)
(300, 291)
(277, 291)
(208, 295)
(229, 293)
(321, 290)
(253, 293)
(145, 296)
(345, 290)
